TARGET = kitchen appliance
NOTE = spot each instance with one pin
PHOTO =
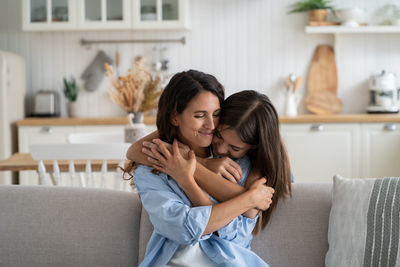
(47, 104)
(12, 106)
(383, 93)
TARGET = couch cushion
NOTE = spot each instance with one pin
(63, 226)
(364, 223)
(297, 234)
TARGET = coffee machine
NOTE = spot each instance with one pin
(383, 93)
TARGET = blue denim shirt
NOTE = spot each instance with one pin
(176, 223)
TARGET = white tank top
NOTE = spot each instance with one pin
(190, 255)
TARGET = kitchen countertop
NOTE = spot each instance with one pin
(305, 118)
(80, 121)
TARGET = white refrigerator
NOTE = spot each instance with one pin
(12, 105)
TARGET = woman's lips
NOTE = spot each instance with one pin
(206, 133)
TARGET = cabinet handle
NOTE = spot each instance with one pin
(389, 127)
(317, 127)
(46, 130)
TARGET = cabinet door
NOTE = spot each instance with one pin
(381, 149)
(319, 151)
(104, 14)
(160, 14)
(48, 15)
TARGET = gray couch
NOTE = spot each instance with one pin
(61, 226)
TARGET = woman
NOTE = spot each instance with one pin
(188, 227)
(249, 125)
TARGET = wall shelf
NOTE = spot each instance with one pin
(352, 30)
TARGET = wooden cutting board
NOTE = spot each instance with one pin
(323, 102)
(323, 74)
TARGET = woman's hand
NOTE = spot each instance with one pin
(261, 194)
(225, 167)
(174, 164)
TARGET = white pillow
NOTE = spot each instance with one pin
(364, 223)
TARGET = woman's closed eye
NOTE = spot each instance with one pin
(217, 114)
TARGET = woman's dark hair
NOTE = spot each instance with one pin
(253, 117)
(181, 89)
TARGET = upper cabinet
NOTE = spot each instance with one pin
(55, 15)
(104, 14)
(46, 15)
(160, 14)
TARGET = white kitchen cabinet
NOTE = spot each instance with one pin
(60, 15)
(319, 151)
(104, 14)
(380, 149)
(160, 14)
(45, 15)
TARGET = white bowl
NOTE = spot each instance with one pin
(350, 16)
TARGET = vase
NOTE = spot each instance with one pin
(317, 15)
(135, 129)
(72, 109)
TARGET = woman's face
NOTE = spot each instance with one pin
(226, 142)
(197, 122)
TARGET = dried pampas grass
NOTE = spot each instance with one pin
(137, 92)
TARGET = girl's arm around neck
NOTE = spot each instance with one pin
(135, 153)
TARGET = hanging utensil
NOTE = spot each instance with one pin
(297, 83)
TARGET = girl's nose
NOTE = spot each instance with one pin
(222, 149)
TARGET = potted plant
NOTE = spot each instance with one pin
(317, 9)
(71, 92)
(136, 93)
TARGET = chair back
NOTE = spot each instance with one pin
(96, 138)
(82, 159)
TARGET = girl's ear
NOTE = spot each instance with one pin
(174, 119)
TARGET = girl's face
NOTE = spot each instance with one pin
(226, 142)
(197, 122)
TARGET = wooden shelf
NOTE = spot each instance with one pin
(344, 29)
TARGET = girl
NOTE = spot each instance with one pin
(249, 125)
(189, 229)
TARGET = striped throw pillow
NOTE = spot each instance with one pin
(364, 223)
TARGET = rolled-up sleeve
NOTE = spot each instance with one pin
(170, 216)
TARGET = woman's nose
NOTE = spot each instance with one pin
(210, 123)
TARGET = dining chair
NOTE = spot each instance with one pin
(96, 138)
(78, 159)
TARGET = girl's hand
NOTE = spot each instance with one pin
(261, 194)
(225, 167)
(174, 164)
(147, 149)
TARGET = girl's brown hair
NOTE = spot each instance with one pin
(256, 122)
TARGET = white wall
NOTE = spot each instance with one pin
(246, 44)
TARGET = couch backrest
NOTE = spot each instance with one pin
(297, 234)
(62, 226)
